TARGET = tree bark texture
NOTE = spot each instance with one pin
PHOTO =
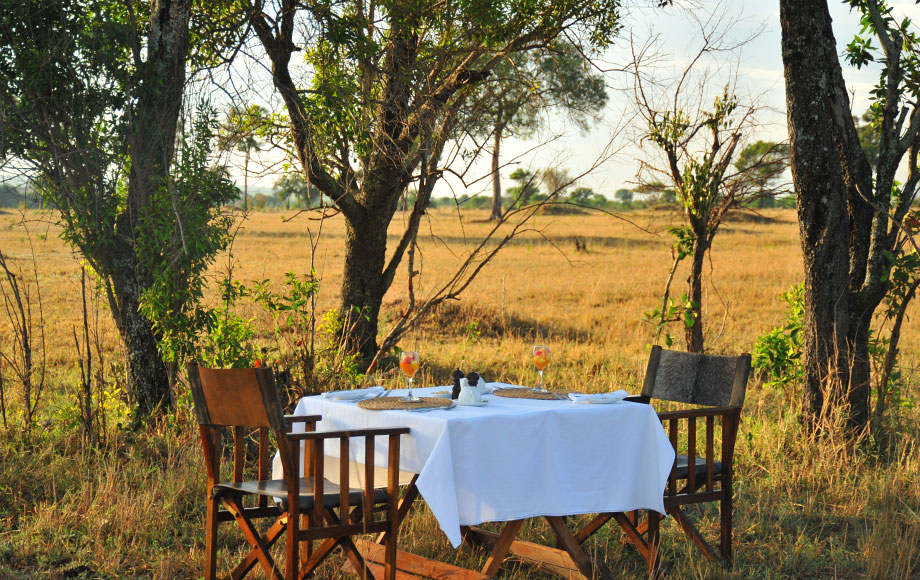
(363, 286)
(147, 374)
(694, 334)
(842, 236)
(496, 176)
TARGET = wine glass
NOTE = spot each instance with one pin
(408, 363)
(540, 360)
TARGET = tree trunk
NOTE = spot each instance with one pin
(151, 146)
(246, 182)
(496, 176)
(694, 334)
(812, 74)
(860, 379)
(363, 284)
(147, 377)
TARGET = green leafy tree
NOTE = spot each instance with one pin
(389, 84)
(763, 163)
(697, 170)
(295, 186)
(699, 145)
(180, 252)
(556, 180)
(526, 187)
(90, 98)
(851, 215)
(582, 195)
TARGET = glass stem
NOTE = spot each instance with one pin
(410, 387)
(540, 372)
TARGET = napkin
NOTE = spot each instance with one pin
(614, 396)
(352, 394)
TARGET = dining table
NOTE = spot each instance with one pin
(510, 459)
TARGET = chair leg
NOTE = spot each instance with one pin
(726, 528)
(252, 558)
(389, 562)
(292, 560)
(306, 522)
(654, 543)
(692, 533)
(210, 541)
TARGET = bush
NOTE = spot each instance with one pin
(777, 353)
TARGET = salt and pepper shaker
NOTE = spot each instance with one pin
(473, 378)
(456, 376)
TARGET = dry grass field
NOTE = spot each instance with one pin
(805, 507)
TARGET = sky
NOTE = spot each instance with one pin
(609, 155)
(759, 69)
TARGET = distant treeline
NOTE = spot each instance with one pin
(13, 196)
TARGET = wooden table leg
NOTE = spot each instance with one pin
(570, 562)
(500, 550)
(568, 542)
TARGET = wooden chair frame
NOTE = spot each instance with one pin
(703, 467)
(247, 399)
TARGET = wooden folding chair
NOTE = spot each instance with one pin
(241, 399)
(702, 437)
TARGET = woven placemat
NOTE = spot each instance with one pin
(523, 393)
(393, 403)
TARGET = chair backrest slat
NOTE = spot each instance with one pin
(318, 478)
(369, 477)
(691, 453)
(710, 448)
(344, 487)
(698, 379)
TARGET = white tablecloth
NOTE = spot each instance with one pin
(518, 458)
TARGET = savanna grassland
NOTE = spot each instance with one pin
(805, 507)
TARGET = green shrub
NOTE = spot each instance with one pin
(777, 354)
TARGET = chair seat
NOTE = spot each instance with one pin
(277, 488)
(681, 471)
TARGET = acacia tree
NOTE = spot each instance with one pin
(699, 149)
(850, 217)
(387, 84)
(515, 99)
(90, 98)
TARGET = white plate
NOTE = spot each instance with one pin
(354, 394)
(600, 400)
(472, 403)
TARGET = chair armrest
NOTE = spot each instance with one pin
(348, 433)
(692, 413)
(291, 419)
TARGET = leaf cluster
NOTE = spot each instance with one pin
(777, 353)
(184, 230)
